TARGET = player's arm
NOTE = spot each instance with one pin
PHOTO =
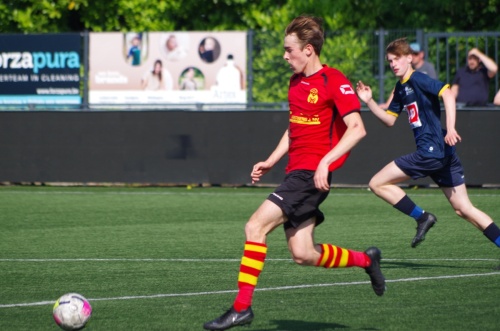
(365, 94)
(452, 136)
(386, 104)
(261, 168)
(354, 133)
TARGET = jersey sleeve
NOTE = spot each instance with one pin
(427, 84)
(395, 105)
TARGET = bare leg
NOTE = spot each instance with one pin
(383, 183)
(305, 252)
(459, 200)
(263, 221)
(301, 243)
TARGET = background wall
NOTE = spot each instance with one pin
(183, 147)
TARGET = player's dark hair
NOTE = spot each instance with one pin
(309, 30)
(399, 47)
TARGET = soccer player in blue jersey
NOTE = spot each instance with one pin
(418, 95)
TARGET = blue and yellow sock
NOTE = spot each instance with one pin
(408, 207)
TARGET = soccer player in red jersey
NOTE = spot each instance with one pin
(325, 124)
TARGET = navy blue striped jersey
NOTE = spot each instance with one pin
(419, 97)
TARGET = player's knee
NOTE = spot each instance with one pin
(254, 231)
(463, 210)
(251, 228)
(374, 186)
(301, 257)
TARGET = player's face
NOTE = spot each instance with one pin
(295, 55)
(400, 65)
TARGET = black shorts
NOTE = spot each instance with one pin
(299, 198)
(446, 172)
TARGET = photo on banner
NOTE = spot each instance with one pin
(167, 67)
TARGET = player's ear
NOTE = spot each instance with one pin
(309, 49)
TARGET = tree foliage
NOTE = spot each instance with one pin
(345, 48)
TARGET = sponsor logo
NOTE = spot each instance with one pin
(305, 119)
(408, 90)
(346, 89)
(39, 60)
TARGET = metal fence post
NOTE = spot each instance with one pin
(250, 66)
(85, 103)
(381, 63)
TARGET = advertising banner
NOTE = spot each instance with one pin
(40, 69)
(167, 67)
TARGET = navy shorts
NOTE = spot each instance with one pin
(299, 198)
(445, 172)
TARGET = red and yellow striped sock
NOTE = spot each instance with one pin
(338, 257)
(251, 265)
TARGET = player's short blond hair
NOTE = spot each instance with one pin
(399, 47)
(309, 30)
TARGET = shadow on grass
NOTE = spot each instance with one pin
(413, 265)
(294, 325)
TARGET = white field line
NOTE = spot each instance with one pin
(333, 191)
(213, 260)
(279, 288)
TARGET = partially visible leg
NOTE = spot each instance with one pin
(459, 200)
(305, 252)
(383, 185)
(267, 217)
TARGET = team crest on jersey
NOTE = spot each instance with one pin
(408, 90)
(313, 96)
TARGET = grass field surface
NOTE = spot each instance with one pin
(168, 259)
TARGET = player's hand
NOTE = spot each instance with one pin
(321, 178)
(364, 91)
(258, 170)
(452, 137)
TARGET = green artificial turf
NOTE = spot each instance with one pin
(168, 259)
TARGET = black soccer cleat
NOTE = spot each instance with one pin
(376, 277)
(229, 319)
(424, 223)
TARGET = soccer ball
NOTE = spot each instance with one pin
(72, 311)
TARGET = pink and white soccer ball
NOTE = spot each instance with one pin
(72, 311)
